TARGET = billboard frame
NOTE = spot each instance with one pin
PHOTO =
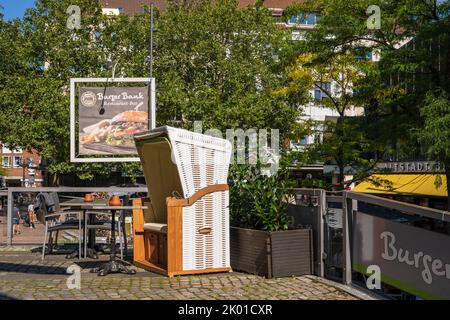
(152, 113)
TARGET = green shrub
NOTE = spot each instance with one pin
(257, 200)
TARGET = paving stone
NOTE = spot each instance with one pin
(25, 276)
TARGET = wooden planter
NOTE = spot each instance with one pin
(272, 254)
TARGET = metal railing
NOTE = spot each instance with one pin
(319, 220)
(349, 201)
(11, 191)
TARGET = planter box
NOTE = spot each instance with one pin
(272, 254)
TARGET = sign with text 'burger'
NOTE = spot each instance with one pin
(109, 117)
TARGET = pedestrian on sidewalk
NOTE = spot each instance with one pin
(16, 220)
(32, 216)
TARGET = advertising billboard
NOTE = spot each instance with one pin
(104, 117)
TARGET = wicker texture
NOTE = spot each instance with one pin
(201, 160)
(204, 251)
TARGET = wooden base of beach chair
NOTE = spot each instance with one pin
(161, 251)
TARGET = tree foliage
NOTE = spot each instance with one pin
(395, 90)
(213, 62)
(346, 140)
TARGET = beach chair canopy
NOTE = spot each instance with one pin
(179, 162)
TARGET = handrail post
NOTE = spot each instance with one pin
(9, 213)
(320, 233)
(346, 249)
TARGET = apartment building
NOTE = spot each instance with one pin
(135, 6)
(20, 168)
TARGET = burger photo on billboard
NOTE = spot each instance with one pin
(124, 125)
(117, 131)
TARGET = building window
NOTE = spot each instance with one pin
(368, 56)
(325, 86)
(6, 162)
(311, 19)
(121, 10)
(319, 93)
(292, 20)
(17, 161)
(6, 149)
(303, 19)
(277, 12)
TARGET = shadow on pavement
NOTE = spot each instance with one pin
(4, 296)
(97, 263)
(35, 269)
(60, 249)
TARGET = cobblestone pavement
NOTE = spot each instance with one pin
(24, 276)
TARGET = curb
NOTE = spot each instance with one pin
(357, 293)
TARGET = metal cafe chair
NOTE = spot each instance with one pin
(56, 219)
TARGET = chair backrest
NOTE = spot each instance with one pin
(202, 160)
(46, 203)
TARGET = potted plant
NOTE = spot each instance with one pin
(261, 239)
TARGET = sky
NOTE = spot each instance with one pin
(15, 8)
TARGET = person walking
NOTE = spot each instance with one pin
(32, 216)
(16, 220)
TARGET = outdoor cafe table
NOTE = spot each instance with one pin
(114, 265)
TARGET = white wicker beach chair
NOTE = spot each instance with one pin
(186, 228)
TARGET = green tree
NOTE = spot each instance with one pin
(218, 63)
(405, 73)
(213, 62)
(345, 141)
(435, 135)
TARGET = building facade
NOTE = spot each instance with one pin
(131, 7)
(20, 168)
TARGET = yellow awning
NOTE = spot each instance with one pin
(412, 184)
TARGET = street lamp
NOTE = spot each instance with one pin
(23, 164)
(110, 65)
(152, 44)
(27, 163)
